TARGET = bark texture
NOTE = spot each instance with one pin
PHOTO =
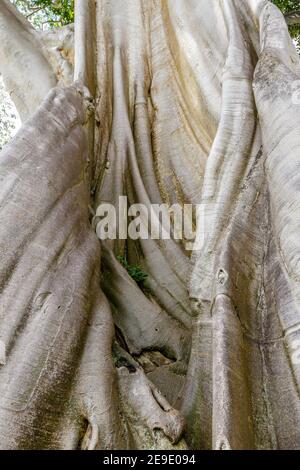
(192, 102)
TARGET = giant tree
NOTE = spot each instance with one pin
(162, 101)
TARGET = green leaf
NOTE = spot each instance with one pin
(134, 271)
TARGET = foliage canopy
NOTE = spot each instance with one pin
(49, 13)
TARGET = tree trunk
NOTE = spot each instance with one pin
(172, 102)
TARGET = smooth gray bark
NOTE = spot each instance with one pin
(185, 108)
